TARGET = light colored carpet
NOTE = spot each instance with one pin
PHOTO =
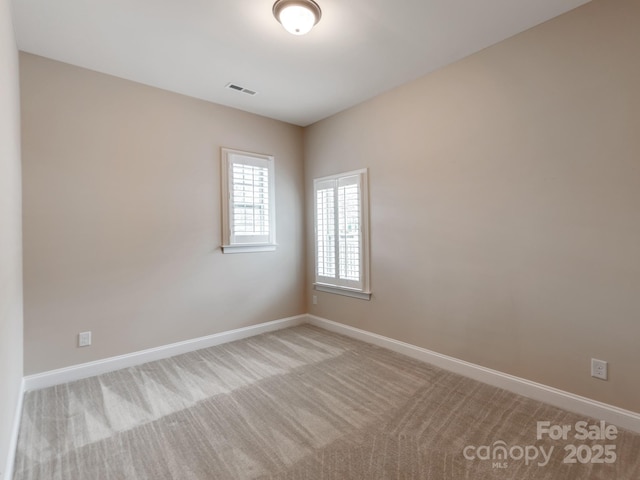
(297, 404)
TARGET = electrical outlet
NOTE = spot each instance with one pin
(599, 369)
(84, 339)
(315, 299)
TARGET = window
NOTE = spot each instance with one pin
(342, 234)
(248, 202)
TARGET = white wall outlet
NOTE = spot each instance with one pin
(315, 299)
(84, 339)
(599, 369)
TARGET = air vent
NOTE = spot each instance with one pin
(238, 88)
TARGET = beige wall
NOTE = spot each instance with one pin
(122, 217)
(505, 195)
(10, 234)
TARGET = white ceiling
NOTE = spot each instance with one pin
(359, 49)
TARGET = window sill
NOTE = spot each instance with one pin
(248, 248)
(348, 292)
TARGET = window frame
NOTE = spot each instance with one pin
(230, 241)
(357, 289)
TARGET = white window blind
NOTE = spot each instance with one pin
(250, 199)
(248, 202)
(341, 232)
(326, 231)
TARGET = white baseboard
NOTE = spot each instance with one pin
(84, 370)
(537, 391)
(7, 474)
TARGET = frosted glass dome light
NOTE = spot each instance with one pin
(297, 16)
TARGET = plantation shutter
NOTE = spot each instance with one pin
(349, 238)
(326, 229)
(250, 202)
(339, 238)
(250, 215)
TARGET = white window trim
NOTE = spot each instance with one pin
(347, 292)
(320, 285)
(229, 245)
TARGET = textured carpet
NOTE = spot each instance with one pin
(297, 404)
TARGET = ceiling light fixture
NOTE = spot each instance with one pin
(297, 16)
